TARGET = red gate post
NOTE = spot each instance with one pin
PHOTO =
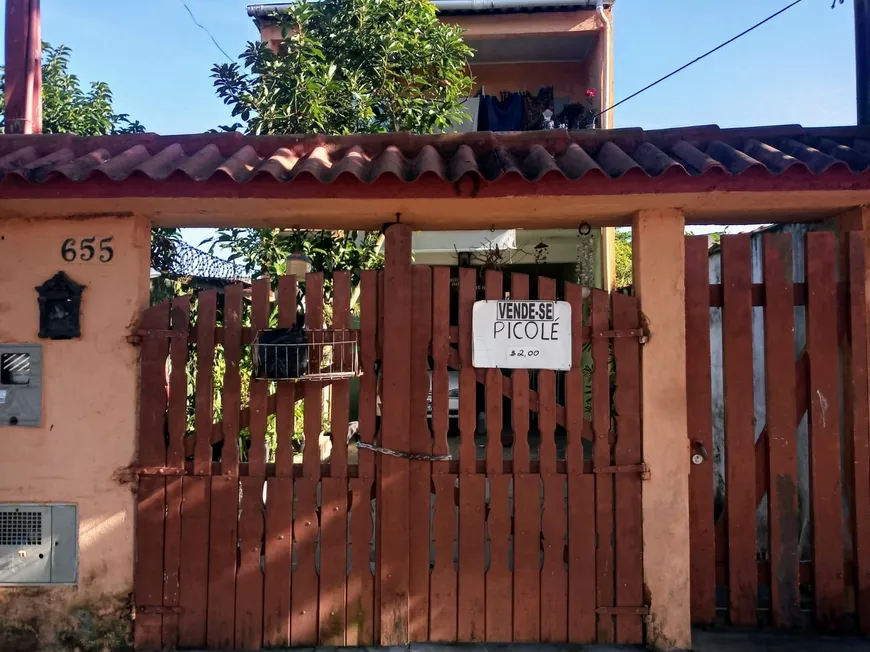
(393, 568)
(659, 279)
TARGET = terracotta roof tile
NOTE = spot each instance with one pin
(691, 151)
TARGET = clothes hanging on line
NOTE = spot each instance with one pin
(501, 114)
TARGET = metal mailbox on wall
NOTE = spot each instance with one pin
(20, 385)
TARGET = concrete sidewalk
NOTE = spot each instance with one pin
(703, 642)
(758, 641)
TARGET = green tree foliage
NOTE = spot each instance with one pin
(67, 108)
(623, 259)
(343, 67)
(264, 252)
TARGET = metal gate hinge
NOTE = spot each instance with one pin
(643, 469)
(157, 609)
(622, 611)
(639, 333)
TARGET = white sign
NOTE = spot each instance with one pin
(522, 335)
(2, 396)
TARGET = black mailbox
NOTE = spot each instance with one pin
(60, 301)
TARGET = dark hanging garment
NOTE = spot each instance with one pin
(535, 110)
(504, 114)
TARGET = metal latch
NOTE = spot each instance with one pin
(700, 455)
(643, 469)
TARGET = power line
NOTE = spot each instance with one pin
(703, 56)
(205, 29)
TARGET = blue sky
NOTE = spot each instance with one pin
(798, 68)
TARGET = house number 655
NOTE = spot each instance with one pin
(87, 249)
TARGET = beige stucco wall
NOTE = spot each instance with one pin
(89, 400)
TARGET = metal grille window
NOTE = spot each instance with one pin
(21, 528)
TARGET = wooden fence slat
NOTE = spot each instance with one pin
(231, 401)
(782, 491)
(223, 551)
(393, 488)
(527, 558)
(177, 427)
(313, 415)
(575, 399)
(279, 548)
(554, 580)
(249, 580)
(520, 401)
(285, 393)
(472, 590)
(472, 487)
(443, 580)
(604, 583)
(421, 442)
(360, 581)
(467, 378)
(494, 389)
(581, 558)
(627, 486)
(739, 429)
(333, 561)
(499, 580)
(527, 503)
(340, 387)
(368, 386)
(304, 625)
(860, 442)
(177, 412)
(581, 488)
(206, 315)
(304, 619)
(151, 497)
(699, 414)
(333, 511)
(150, 505)
(499, 589)
(260, 291)
(824, 431)
(547, 396)
(171, 560)
(443, 615)
(193, 582)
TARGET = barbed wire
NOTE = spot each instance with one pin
(177, 258)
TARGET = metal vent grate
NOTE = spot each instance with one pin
(21, 528)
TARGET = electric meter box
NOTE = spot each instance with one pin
(38, 544)
(20, 385)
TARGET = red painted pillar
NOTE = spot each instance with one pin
(23, 89)
(394, 477)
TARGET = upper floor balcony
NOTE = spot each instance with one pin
(537, 64)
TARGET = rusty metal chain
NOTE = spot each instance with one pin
(420, 457)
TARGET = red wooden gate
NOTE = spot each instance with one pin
(804, 559)
(532, 534)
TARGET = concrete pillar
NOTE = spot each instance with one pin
(90, 395)
(659, 280)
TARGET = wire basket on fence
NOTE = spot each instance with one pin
(299, 355)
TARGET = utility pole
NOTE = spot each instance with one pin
(23, 89)
(862, 60)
